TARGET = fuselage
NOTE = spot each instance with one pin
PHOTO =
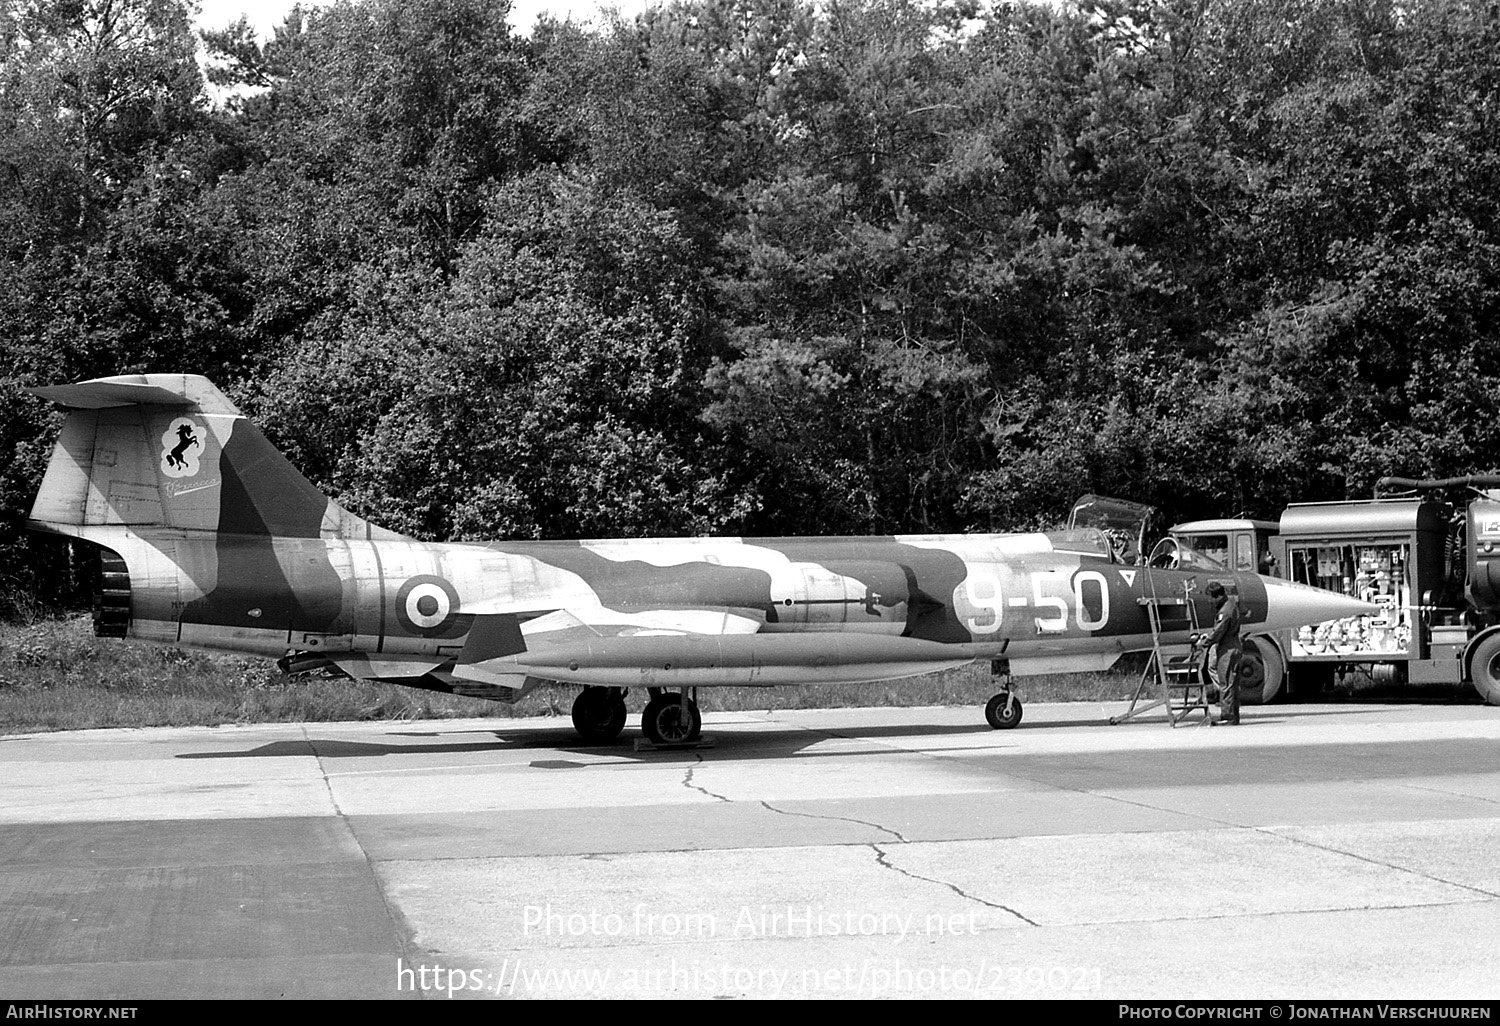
(905, 604)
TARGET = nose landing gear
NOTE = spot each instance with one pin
(1004, 710)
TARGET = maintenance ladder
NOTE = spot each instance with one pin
(1174, 674)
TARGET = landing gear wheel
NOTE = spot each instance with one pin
(1003, 711)
(599, 714)
(1261, 673)
(664, 724)
(1484, 667)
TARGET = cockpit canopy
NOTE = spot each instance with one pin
(1089, 542)
(1123, 524)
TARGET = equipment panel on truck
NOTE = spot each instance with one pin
(1388, 552)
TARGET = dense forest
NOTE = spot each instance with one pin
(766, 266)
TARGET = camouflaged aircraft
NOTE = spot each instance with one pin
(210, 538)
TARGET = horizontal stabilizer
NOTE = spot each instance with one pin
(176, 390)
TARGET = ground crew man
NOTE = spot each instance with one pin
(1223, 644)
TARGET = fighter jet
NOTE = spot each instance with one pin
(210, 538)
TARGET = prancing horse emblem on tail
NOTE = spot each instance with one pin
(180, 448)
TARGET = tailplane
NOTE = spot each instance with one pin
(170, 451)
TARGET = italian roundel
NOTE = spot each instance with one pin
(427, 606)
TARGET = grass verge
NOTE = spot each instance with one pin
(55, 675)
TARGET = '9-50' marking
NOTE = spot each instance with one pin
(982, 605)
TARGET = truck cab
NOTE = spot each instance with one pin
(1231, 544)
(1240, 545)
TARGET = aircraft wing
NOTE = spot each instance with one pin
(567, 624)
(496, 648)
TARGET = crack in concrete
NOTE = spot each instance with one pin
(944, 757)
(1268, 831)
(842, 819)
(882, 859)
(1369, 860)
(1208, 819)
(687, 781)
(1271, 913)
(1450, 794)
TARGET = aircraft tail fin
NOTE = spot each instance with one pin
(171, 451)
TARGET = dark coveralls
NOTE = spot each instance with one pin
(1225, 649)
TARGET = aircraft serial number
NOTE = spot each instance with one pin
(1054, 599)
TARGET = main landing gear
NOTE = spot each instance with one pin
(1004, 710)
(599, 714)
(672, 719)
(669, 719)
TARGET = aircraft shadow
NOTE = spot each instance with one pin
(348, 750)
(1279, 713)
(778, 742)
(753, 744)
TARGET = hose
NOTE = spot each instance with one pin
(1410, 484)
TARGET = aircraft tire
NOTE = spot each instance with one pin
(1485, 669)
(1003, 716)
(1261, 673)
(598, 714)
(662, 721)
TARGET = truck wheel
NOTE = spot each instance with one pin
(1484, 667)
(1261, 673)
(1310, 682)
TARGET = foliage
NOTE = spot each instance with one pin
(765, 266)
(54, 675)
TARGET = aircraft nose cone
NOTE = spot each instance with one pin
(1298, 605)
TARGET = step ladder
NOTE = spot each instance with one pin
(1173, 672)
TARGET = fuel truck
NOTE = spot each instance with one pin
(1427, 552)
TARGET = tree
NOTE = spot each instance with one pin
(108, 80)
(549, 389)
